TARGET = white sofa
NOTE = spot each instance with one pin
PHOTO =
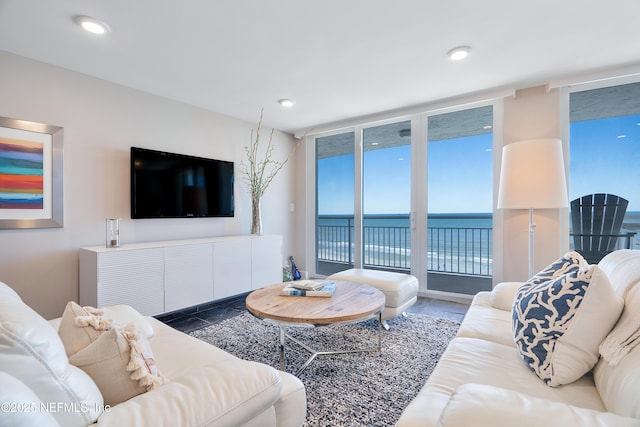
(204, 385)
(481, 380)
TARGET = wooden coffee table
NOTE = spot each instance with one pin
(350, 303)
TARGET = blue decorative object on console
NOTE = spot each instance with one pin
(294, 270)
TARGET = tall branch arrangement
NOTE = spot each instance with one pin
(257, 172)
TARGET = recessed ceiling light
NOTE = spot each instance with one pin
(91, 25)
(458, 53)
(286, 103)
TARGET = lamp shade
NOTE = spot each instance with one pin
(532, 175)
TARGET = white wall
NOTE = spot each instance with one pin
(101, 122)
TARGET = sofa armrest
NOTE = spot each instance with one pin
(503, 294)
(230, 393)
(485, 405)
(21, 406)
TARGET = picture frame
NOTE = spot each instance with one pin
(31, 175)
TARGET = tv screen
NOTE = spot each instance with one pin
(169, 185)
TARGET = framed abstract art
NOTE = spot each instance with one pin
(31, 177)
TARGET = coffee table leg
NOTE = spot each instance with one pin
(380, 331)
(315, 353)
(283, 337)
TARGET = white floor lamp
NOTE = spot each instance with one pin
(532, 177)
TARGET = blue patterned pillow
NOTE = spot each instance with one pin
(571, 261)
(559, 323)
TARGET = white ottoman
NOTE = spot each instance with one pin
(400, 290)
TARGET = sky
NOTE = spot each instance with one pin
(604, 157)
(459, 172)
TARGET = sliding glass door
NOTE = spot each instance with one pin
(335, 186)
(386, 172)
(460, 203)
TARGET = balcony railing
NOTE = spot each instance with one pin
(454, 244)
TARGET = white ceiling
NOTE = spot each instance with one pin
(338, 59)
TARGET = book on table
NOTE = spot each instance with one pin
(307, 285)
(309, 288)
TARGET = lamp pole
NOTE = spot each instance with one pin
(532, 230)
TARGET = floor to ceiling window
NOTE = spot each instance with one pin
(605, 152)
(460, 204)
(370, 179)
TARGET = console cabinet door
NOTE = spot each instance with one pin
(188, 275)
(266, 261)
(231, 267)
(133, 277)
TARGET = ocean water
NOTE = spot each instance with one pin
(400, 220)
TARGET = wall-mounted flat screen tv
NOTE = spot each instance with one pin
(169, 185)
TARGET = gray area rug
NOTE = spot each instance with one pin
(357, 389)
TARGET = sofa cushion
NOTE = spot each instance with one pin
(31, 350)
(472, 360)
(559, 323)
(622, 267)
(80, 326)
(121, 364)
(483, 321)
(502, 295)
(483, 405)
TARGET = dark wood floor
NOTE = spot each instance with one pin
(191, 319)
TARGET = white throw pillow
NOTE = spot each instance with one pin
(80, 326)
(559, 323)
(121, 364)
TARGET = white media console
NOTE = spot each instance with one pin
(160, 277)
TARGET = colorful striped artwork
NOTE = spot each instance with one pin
(21, 174)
